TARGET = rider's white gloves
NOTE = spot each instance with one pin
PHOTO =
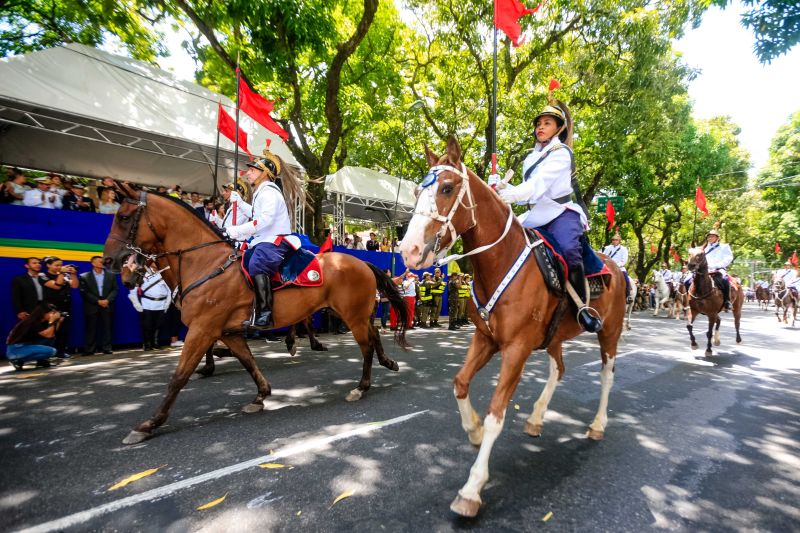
(494, 179)
(234, 197)
(242, 232)
(509, 194)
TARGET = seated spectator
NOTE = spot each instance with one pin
(108, 183)
(385, 245)
(108, 202)
(33, 338)
(57, 185)
(75, 200)
(13, 190)
(372, 244)
(41, 196)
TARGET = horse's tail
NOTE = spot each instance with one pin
(389, 291)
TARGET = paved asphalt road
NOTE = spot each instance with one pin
(692, 443)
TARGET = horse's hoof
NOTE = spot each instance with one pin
(135, 437)
(595, 434)
(206, 371)
(464, 507)
(253, 408)
(476, 437)
(534, 430)
(709, 353)
(716, 342)
(293, 350)
(694, 346)
(392, 365)
(353, 396)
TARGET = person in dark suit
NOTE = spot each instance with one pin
(207, 209)
(26, 290)
(99, 290)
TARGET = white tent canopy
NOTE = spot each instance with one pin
(361, 193)
(79, 110)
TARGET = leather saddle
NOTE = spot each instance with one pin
(300, 268)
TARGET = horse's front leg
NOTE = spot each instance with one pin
(716, 331)
(690, 326)
(208, 369)
(709, 334)
(194, 347)
(481, 349)
(241, 350)
(468, 501)
(291, 340)
(535, 422)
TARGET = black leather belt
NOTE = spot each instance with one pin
(155, 299)
(560, 200)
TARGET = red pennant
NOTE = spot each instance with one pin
(794, 259)
(610, 213)
(554, 84)
(227, 126)
(327, 246)
(506, 18)
(259, 108)
(777, 247)
(653, 249)
(700, 201)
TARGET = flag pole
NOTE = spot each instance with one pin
(236, 148)
(494, 94)
(216, 156)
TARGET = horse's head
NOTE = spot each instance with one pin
(697, 261)
(437, 220)
(127, 238)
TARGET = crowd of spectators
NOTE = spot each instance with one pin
(54, 191)
(376, 243)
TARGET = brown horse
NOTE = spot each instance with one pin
(681, 303)
(201, 267)
(526, 316)
(762, 297)
(784, 299)
(706, 298)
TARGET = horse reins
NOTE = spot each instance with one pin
(130, 244)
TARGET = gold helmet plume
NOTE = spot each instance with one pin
(270, 163)
(714, 229)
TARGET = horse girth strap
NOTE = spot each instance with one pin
(555, 321)
(233, 258)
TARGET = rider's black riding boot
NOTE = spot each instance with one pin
(726, 293)
(263, 300)
(587, 321)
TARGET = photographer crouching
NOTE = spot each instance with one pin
(57, 282)
(33, 338)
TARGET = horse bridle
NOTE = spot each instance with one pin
(447, 221)
(130, 244)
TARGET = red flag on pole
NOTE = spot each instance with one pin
(506, 18)
(794, 259)
(700, 201)
(653, 249)
(227, 126)
(259, 108)
(675, 254)
(610, 213)
(777, 247)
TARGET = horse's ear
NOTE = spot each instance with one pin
(125, 188)
(432, 158)
(453, 150)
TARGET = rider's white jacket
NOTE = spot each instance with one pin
(718, 255)
(270, 217)
(244, 212)
(618, 253)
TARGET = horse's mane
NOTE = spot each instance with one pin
(189, 208)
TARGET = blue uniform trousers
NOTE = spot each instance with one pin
(567, 230)
(267, 258)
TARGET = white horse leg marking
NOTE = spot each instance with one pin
(479, 473)
(470, 421)
(598, 426)
(533, 426)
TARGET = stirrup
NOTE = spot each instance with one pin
(590, 321)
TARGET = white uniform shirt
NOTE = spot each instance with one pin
(154, 287)
(270, 217)
(408, 288)
(667, 275)
(244, 212)
(718, 255)
(618, 253)
(686, 277)
(551, 179)
(788, 275)
(37, 198)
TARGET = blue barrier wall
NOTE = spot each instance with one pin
(31, 231)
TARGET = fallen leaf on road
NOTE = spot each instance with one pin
(36, 375)
(516, 407)
(212, 504)
(298, 513)
(547, 517)
(135, 477)
(271, 465)
(342, 496)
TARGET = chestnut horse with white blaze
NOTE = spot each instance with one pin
(459, 203)
(202, 267)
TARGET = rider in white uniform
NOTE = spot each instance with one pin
(244, 211)
(666, 274)
(789, 276)
(719, 256)
(619, 254)
(685, 276)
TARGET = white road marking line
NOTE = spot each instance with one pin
(623, 354)
(303, 446)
